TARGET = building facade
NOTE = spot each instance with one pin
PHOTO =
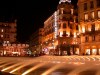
(8, 40)
(15, 50)
(89, 26)
(36, 41)
(8, 32)
(61, 30)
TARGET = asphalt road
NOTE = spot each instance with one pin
(51, 65)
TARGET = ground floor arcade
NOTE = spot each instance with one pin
(90, 49)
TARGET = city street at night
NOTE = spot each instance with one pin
(51, 65)
(50, 37)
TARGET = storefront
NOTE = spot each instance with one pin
(77, 51)
(94, 51)
(99, 52)
(87, 51)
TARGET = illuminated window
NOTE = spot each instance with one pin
(94, 51)
(87, 51)
(62, 10)
(1, 30)
(92, 15)
(99, 26)
(99, 51)
(1, 35)
(77, 51)
(86, 16)
(99, 14)
(7, 41)
(4, 41)
(83, 29)
(72, 11)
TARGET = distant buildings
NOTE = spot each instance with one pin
(8, 44)
(8, 32)
(36, 41)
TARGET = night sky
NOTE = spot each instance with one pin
(30, 14)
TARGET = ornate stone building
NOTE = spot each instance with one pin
(89, 23)
(61, 30)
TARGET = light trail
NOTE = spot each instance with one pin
(33, 68)
(6, 64)
(52, 69)
(17, 68)
(80, 63)
(11, 66)
(80, 69)
(24, 64)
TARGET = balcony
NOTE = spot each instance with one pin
(91, 32)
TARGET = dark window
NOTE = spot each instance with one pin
(93, 38)
(68, 23)
(59, 33)
(52, 30)
(98, 3)
(86, 39)
(71, 26)
(91, 4)
(77, 27)
(64, 12)
(64, 18)
(93, 27)
(85, 6)
(15, 27)
(64, 25)
(64, 33)
(71, 35)
(59, 26)
(64, 42)
(7, 36)
(59, 12)
(86, 28)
